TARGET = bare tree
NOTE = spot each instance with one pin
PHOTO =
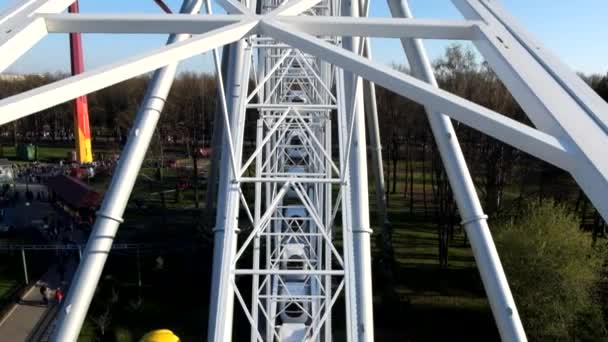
(103, 321)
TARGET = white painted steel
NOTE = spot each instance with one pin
(21, 28)
(76, 304)
(29, 102)
(225, 239)
(308, 66)
(138, 23)
(356, 163)
(465, 194)
(526, 138)
(384, 27)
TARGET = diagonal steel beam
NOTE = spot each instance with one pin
(293, 7)
(21, 29)
(474, 220)
(75, 307)
(321, 82)
(525, 138)
(264, 141)
(555, 109)
(234, 7)
(269, 74)
(573, 83)
(35, 100)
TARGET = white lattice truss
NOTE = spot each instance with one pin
(313, 70)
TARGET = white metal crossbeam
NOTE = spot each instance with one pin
(525, 138)
(303, 79)
(20, 29)
(35, 100)
(136, 23)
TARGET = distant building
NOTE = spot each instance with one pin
(7, 175)
(74, 196)
(12, 77)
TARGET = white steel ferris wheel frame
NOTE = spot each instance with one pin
(329, 41)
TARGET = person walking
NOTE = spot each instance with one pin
(58, 295)
(44, 293)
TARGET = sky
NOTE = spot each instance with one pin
(576, 31)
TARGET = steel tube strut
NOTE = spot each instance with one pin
(257, 212)
(74, 309)
(357, 166)
(375, 144)
(218, 134)
(473, 218)
(224, 243)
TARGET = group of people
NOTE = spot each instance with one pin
(48, 294)
(37, 173)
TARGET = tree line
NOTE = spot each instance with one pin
(508, 181)
(188, 112)
(503, 175)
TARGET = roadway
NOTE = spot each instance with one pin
(22, 321)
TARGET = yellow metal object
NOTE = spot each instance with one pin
(161, 335)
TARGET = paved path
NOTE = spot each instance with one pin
(21, 321)
(24, 316)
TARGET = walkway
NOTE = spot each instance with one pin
(21, 320)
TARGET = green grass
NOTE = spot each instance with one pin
(44, 153)
(6, 285)
(88, 332)
(10, 277)
(48, 153)
(429, 297)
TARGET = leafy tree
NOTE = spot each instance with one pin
(554, 273)
(103, 321)
(599, 83)
(602, 87)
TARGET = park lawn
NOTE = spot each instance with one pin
(435, 304)
(9, 278)
(88, 332)
(429, 297)
(50, 153)
(45, 153)
(7, 284)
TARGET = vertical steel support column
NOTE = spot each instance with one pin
(473, 218)
(27, 279)
(217, 136)
(269, 326)
(258, 203)
(109, 217)
(357, 165)
(82, 128)
(328, 215)
(373, 130)
(360, 223)
(225, 239)
(326, 75)
(256, 242)
(349, 288)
